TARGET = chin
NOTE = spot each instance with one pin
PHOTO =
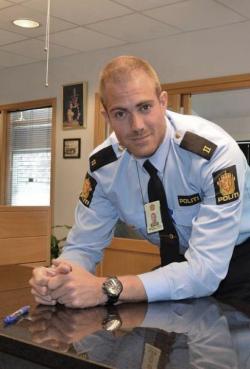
(143, 153)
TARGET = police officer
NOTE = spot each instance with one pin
(203, 209)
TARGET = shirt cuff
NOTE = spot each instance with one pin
(156, 285)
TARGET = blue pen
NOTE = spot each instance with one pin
(12, 318)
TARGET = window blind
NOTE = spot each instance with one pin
(29, 157)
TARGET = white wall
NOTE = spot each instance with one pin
(195, 55)
(239, 128)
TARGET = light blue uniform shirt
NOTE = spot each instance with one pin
(207, 231)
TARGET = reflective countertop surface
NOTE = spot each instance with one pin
(203, 333)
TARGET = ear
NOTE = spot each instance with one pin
(105, 115)
(164, 99)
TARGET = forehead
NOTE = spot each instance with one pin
(136, 87)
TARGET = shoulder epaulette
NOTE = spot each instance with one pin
(101, 158)
(198, 145)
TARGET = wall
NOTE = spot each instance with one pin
(239, 128)
(204, 54)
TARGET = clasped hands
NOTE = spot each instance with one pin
(68, 284)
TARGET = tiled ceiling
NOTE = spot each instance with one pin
(78, 26)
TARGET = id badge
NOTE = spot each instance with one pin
(153, 217)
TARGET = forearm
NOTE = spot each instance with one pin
(73, 286)
(133, 289)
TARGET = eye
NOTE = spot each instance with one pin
(145, 108)
(119, 114)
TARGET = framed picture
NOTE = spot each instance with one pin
(71, 148)
(75, 105)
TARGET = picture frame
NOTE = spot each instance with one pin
(75, 105)
(72, 148)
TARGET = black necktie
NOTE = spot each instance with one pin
(169, 240)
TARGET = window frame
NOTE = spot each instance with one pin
(5, 109)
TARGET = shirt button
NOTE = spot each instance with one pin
(171, 236)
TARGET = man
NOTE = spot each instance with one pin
(206, 213)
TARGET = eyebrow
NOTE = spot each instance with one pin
(137, 105)
(144, 102)
(117, 108)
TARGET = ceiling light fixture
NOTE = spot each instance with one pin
(26, 23)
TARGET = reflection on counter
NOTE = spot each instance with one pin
(201, 334)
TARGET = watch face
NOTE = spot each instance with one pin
(112, 325)
(113, 286)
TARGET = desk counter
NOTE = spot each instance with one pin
(202, 333)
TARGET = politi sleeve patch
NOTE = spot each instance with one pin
(226, 185)
(189, 200)
(88, 189)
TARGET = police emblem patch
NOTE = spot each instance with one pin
(88, 189)
(226, 185)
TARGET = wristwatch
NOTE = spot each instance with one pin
(113, 321)
(112, 287)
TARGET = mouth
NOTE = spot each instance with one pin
(140, 138)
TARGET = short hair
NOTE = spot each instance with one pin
(120, 69)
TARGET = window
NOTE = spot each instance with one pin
(27, 153)
(29, 157)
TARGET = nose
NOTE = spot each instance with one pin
(136, 122)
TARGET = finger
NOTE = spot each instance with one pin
(62, 266)
(39, 276)
(38, 290)
(44, 300)
(60, 293)
(56, 282)
(61, 300)
(51, 271)
(63, 296)
(45, 297)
